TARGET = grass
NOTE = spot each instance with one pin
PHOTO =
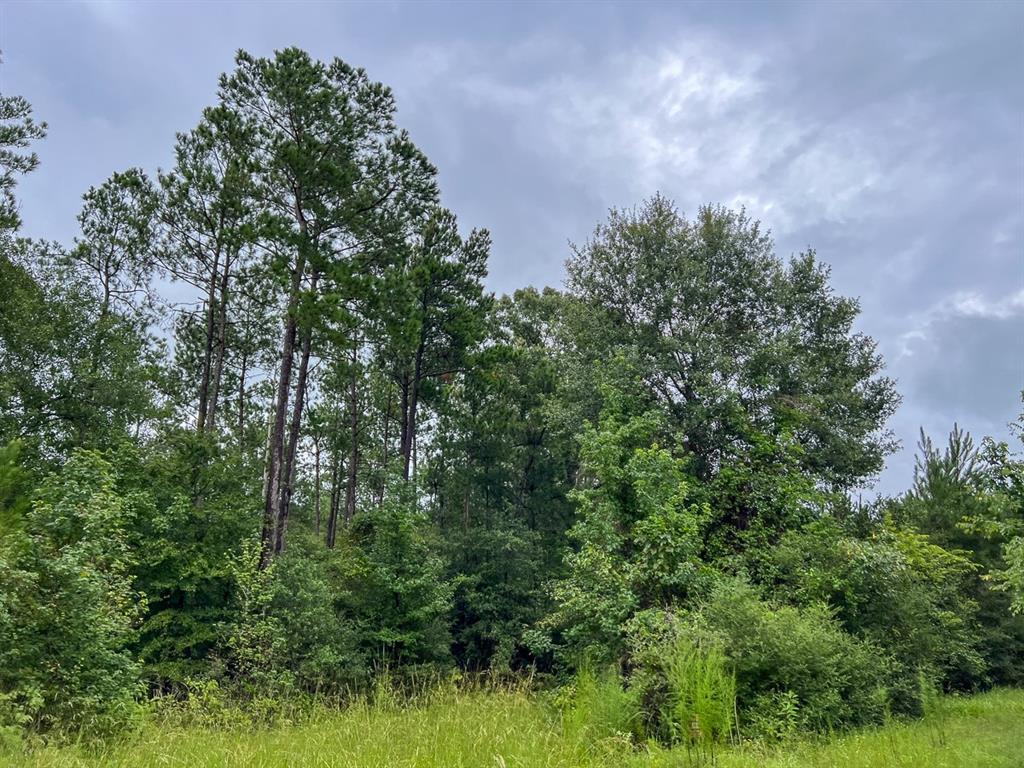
(513, 729)
(985, 731)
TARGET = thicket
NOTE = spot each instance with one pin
(342, 466)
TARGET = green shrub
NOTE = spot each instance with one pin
(256, 641)
(395, 586)
(687, 691)
(67, 609)
(638, 534)
(800, 656)
(193, 505)
(319, 639)
(895, 590)
(321, 620)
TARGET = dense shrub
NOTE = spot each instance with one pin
(687, 691)
(323, 620)
(194, 507)
(638, 534)
(319, 640)
(67, 610)
(397, 589)
(793, 664)
(896, 590)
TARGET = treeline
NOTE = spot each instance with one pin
(340, 454)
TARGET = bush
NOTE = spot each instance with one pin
(255, 639)
(797, 663)
(687, 691)
(320, 620)
(67, 610)
(396, 587)
(895, 590)
(638, 532)
(319, 639)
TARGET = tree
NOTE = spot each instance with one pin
(731, 341)
(401, 597)
(1002, 522)
(965, 500)
(17, 131)
(68, 377)
(500, 465)
(68, 608)
(116, 247)
(638, 533)
(329, 164)
(436, 316)
(207, 223)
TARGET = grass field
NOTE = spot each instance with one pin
(515, 730)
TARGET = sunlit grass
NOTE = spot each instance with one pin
(985, 731)
(513, 729)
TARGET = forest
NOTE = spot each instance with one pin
(270, 451)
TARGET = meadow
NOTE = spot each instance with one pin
(515, 729)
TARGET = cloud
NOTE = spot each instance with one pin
(927, 327)
(110, 12)
(704, 120)
(961, 361)
(971, 304)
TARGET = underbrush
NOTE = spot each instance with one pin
(469, 723)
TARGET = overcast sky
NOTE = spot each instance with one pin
(888, 137)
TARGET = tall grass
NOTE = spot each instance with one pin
(598, 707)
(459, 726)
(702, 698)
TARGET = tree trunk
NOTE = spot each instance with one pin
(204, 377)
(353, 462)
(404, 446)
(411, 399)
(241, 396)
(384, 453)
(316, 481)
(275, 443)
(332, 516)
(288, 470)
(218, 364)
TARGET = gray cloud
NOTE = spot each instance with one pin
(888, 137)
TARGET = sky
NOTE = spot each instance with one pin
(888, 137)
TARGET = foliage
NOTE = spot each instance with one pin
(17, 131)
(894, 589)
(501, 467)
(1002, 480)
(638, 535)
(67, 609)
(731, 341)
(402, 599)
(795, 662)
(969, 501)
(686, 688)
(194, 510)
(1012, 578)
